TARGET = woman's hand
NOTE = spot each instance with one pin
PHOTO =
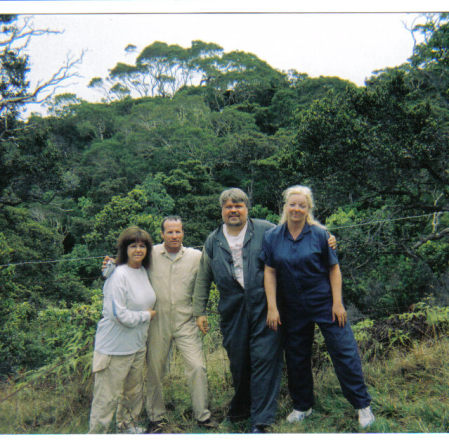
(152, 313)
(273, 319)
(202, 324)
(339, 313)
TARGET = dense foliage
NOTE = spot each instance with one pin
(181, 125)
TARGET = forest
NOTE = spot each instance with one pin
(176, 128)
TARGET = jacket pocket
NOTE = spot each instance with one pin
(100, 362)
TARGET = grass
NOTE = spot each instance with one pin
(47, 408)
(409, 391)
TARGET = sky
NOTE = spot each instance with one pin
(348, 42)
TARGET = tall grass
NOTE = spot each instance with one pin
(405, 361)
(409, 389)
(49, 407)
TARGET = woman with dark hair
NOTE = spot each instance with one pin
(120, 341)
(303, 286)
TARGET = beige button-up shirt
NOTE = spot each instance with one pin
(173, 280)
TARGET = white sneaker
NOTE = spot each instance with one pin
(298, 416)
(366, 417)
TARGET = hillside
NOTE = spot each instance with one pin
(404, 360)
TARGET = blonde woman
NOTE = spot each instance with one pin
(303, 285)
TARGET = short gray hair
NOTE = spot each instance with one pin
(234, 194)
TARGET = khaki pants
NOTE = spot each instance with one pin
(188, 342)
(117, 378)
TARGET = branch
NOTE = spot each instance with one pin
(25, 31)
(432, 236)
(63, 73)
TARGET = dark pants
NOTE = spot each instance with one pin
(342, 347)
(255, 356)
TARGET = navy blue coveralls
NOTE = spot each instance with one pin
(304, 298)
(254, 350)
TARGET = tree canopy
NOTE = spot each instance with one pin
(178, 126)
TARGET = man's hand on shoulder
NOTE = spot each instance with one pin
(332, 241)
(108, 266)
(106, 260)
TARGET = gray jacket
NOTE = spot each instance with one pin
(216, 265)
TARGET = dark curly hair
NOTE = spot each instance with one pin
(128, 236)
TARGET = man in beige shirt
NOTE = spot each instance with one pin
(172, 273)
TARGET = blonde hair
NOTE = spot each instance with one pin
(307, 193)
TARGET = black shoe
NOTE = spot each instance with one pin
(240, 418)
(156, 426)
(257, 429)
(208, 423)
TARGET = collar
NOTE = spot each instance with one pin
(305, 231)
(163, 250)
(222, 239)
(225, 230)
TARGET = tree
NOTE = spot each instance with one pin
(380, 151)
(161, 132)
(236, 165)
(196, 199)
(143, 206)
(14, 64)
(299, 94)
(28, 165)
(62, 104)
(160, 70)
(373, 141)
(239, 77)
(430, 58)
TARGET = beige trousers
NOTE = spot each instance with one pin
(117, 379)
(189, 344)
